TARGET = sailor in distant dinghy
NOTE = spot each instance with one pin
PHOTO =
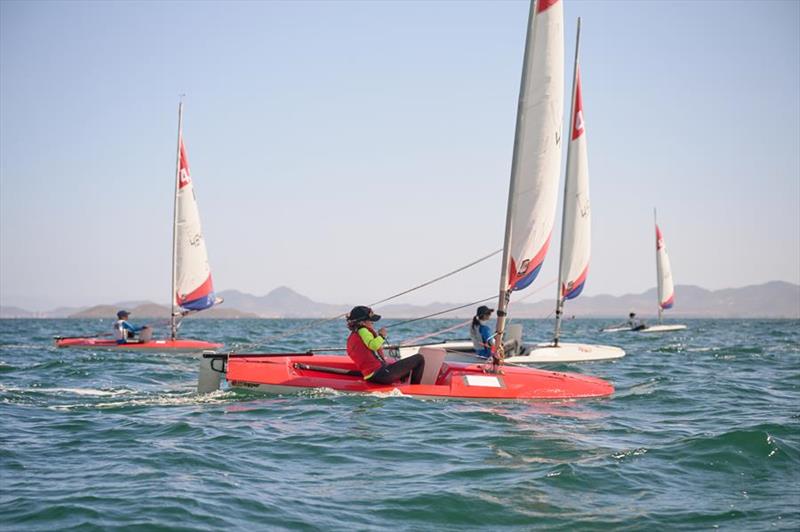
(126, 333)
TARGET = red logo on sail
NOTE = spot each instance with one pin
(577, 119)
(184, 177)
(541, 5)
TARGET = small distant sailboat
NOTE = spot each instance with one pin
(192, 287)
(575, 243)
(666, 289)
(531, 208)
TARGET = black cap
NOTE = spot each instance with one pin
(483, 310)
(123, 313)
(632, 314)
(362, 314)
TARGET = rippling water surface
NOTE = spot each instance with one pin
(703, 432)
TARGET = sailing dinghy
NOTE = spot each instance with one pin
(534, 177)
(666, 289)
(575, 243)
(192, 287)
(665, 292)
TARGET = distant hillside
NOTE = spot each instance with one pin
(16, 312)
(283, 302)
(776, 299)
(152, 310)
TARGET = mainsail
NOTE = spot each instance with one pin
(193, 289)
(576, 221)
(666, 290)
(537, 147)
(576, 231)
(536, 161)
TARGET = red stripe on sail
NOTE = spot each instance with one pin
(514, 275)
(184, 177)
(577, 118)
(541, 5)
(659, 238)
(566, 288)
(203, 290)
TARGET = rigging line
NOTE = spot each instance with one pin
(471, 264)
(485, 299)
(534, 292)
(326, 320)
(410, 341)
(468, 305)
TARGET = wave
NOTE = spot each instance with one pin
(753, 447)
(183, 399)
(74, 391)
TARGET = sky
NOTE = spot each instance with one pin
(352, 150)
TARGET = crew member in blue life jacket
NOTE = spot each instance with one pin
(124, 332)
(480, 333)
(365, 349)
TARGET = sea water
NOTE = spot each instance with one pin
(703, 432)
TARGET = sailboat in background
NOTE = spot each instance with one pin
(665, 292)
(192, 287)
(575, 242)
(666, 289)
(531, 208)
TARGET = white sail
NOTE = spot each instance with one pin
(194, 289)
(576, 232)
(536, 160)
(666, 290)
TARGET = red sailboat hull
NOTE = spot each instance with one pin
(296, 372)
(152, 345)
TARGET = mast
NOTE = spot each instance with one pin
(172, 322)
(658, 272)
(559, 290)
(505, 292)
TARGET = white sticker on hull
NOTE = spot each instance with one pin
(486, 381)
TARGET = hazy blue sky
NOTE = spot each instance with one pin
(351, 150)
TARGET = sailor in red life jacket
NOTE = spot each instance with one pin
(364, 347)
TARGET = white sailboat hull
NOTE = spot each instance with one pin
(616, 329)
(457, 351)
(462, 351)
(648, 329)
(565, 352)
(663, 328)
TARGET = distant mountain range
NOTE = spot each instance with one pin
(143, 309)
(775, 299)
